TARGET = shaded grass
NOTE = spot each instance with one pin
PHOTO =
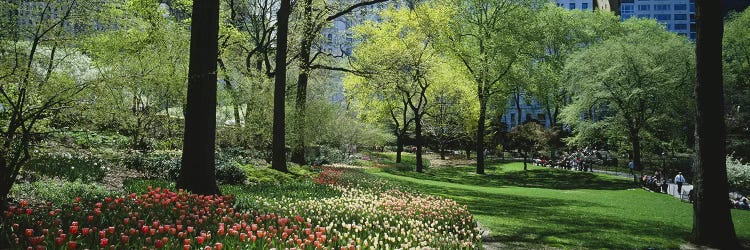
(548, 207)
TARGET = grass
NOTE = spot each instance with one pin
(556, 208)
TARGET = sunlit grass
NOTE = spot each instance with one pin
(549, 207)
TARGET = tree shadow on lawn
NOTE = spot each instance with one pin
(560, 222)
(537, 178)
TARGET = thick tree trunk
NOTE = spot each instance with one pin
(712, 218)
(480, 135)
(418, 142)
(442, 151)
(278, 161)
(197, 173)
(525, 159)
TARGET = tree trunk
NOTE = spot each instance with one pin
(525, 157)
(197, 173)
(712, 218)
(278, 161)
(635, 142)
(399, 147)
(298, 151)
(418, 141)
(237, 117)
(442, 151)
(480, 134)
(518, 106)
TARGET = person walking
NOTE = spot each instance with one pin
(679, 180)
(631, 166)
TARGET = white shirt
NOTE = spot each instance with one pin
(679, 178)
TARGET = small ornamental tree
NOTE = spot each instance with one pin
(527, 139)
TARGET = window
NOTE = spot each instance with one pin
(663, 17)
(680, 17)
(572, 6)
(692, 7)
(661, 7)
(680, 7)
(330, 37)
(626, 8)
(680, 26)
(644, 7)
(585, 6)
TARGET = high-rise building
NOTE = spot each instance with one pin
(677, 15)
(576, 4)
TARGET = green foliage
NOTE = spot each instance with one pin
(739, 175)
(155, 165)
(59, 192)
(622, 95)
(70, 165)
(737, 83)
(265, 175)
(230, 173)
(139, 185)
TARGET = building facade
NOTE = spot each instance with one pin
(678, 16)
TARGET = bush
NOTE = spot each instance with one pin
(57, 192)
(230, 173)
(739, 175)
(265, 175)
(160, 164)
(70, 165)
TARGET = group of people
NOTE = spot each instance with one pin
(576, 160)
(740, 202)
(658, 183)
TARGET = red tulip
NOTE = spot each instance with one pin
(73, 230)
(59, 241)
(71, 244)
(218, 246)
(29, 232)
(159, 244)
(103, 242)
(200, 239)
(124, 239)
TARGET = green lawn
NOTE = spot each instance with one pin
(547, 207)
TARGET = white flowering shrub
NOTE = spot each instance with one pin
(739, 175)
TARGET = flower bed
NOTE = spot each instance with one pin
(157, 219)
(373, 217)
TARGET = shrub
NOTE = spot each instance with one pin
(70, 165)
(265, 175)
(59, 192)
(155, 165)
(739, 175)
(230, 173)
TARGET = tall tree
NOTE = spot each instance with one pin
(633, 89)
(197, 174)
(278, 161)
(712, 220)
(400, 52)
(314, 18)
(489, 37)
